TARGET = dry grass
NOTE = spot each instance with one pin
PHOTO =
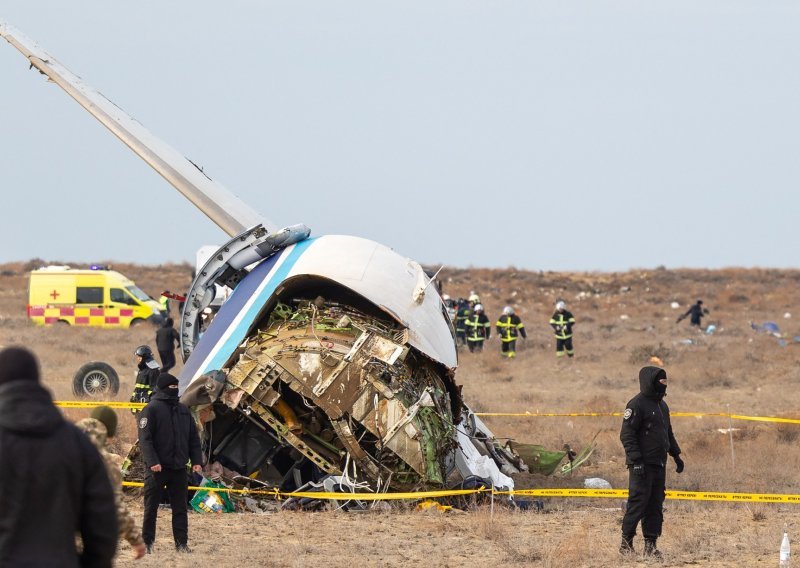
(734, 369)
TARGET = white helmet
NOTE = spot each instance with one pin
(445, 297)
(473, 297)
(478, 307)
(508, 311)
(560, 305)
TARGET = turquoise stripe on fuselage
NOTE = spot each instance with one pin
(216, 340)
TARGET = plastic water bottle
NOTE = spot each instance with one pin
(786, 550)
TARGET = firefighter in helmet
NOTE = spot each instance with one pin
(145, 377)
(509, 327)
(478, 329)
(562, 322)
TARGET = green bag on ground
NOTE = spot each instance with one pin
(211, 501)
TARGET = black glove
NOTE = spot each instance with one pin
(637, 469)
(678, 463)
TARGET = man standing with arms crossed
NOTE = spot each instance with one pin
(647, 438)
(168, 440)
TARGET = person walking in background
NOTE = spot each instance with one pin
(696, 313)
(168, 440)
(509, 327)
(478, 329)
(146, 376)
(647, 438)
(100, 428)
(562, 322)
(53, 484)
(167, 339)
(463, 311)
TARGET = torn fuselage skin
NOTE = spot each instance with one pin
(327, 384)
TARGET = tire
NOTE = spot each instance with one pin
(95, 380)
(136, 322)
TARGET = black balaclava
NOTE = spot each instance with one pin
(648, 382)
(164, 381)
(658, 386)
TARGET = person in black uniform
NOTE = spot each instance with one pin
(695, 313)
(168, 440)
(463, 312)
(478, 329)
(562, 322)
(509, 326)
(166, 339)
(647, 438)
(146, 376)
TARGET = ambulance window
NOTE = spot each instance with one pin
(137, 293)
(118, 295)
(87, 295)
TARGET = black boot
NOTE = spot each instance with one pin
(626, 546)
(650, 549)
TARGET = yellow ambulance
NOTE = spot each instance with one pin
(97, 297)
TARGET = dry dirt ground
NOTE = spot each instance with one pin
(623, 319)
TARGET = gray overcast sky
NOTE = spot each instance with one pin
(582, 135)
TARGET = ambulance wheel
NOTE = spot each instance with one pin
(137, 322)
(95, 379)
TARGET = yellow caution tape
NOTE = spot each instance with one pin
(538, 414)
(717, 496)
(671, 494)
(273, 492)
(92, 404)
(610, 493)
(563, 492)
(672, 414)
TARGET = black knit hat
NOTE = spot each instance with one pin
(18, 363)
(165, 380)
(107, 416)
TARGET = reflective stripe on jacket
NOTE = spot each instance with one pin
(478, 327)
(509, 326)
(562, 323)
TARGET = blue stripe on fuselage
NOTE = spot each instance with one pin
(217, 340)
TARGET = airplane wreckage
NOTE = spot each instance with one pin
(333, 358)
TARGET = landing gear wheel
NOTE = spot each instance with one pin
(95, 380)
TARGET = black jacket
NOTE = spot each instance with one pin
(478, 327)
(462, 315)
(167, 433)
(166, 336)
(509, 326)
(145, 380)
(646, 431)
(562, 323)
(696, 313)
(53, 484)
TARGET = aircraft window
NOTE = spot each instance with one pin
(88, 295)
(120, 296)
(137, 293)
